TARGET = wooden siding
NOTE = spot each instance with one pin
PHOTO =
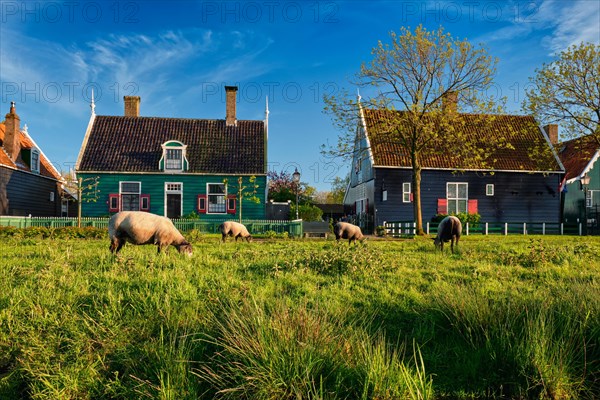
(23, 193)
(518, 197)
(574, 201)
(193, 185)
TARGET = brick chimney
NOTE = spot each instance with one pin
(450, 101)
(230, 117)
(12, 142)
(552, 132)
(132, 106)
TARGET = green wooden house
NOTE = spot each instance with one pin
(581, 186)
(174, 166)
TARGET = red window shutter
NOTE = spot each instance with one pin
(114, 202)
(367, 206)
(472, 207)
(442, 206)
(202, 203)
(231, 203)
(411, 197)
(145, 202)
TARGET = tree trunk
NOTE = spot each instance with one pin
(418, 213)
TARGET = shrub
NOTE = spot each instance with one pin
(306, 212)
(472, 219)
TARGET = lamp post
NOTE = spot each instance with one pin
(296, 179)
(585, 181)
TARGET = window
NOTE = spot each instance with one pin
(35, 160)
(130, 196)
(216, 198)
(489, 189)
(174, 157)
(384, 195)
(406, 192)
(592, 198)
(457, 195)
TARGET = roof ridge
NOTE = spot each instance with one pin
(176, 118)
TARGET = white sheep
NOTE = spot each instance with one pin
(449, 230)
(345, 230)
(235, 229)
(139, 227)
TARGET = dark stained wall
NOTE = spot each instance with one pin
(22, 194)
(518, 197)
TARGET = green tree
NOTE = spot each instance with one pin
(245, 191)
(418, 74)
(567, 91)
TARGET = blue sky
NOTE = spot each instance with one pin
(178, 55)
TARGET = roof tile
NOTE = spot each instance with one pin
(133, 144)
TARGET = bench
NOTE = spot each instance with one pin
(316, 229)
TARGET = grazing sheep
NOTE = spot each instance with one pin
(140, 227)
(345, 230)
(449, 230)
(235, 229)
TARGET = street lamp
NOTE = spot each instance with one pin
(296, 179)
(585, 181)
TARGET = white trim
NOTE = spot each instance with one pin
(364, 130)
(208, 198)
(166, 192)
(549, 143)
(489, 185)
(127, 193)
(31, 166)
(587, 168)
(457, 198)
(163, 158)
(404, 192)
(43, 155)
(85, 140)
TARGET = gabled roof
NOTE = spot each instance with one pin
(577, 154)
(133, 144)
(532, 151)
(27, 143)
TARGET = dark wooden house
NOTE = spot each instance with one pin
(29, 183)
(174, 166)
(523, 185)
(581, 187)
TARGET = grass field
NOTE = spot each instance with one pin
(505, 317)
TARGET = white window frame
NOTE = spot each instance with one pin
(122, 193)
(166, 147)
(35, 165)
(590, 195)
(457, 199)
(173, 188)
(406, 192)
(209, 195)
(489, 189)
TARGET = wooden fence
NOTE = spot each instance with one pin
(406, 228)
(293, 228)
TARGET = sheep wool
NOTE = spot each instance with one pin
(139, 227)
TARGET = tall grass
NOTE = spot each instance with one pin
(505, 317)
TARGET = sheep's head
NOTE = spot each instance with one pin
(437, 242)
(249, 238)
(185, 248)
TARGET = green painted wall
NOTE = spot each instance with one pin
(574, 202)
(193, 185)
